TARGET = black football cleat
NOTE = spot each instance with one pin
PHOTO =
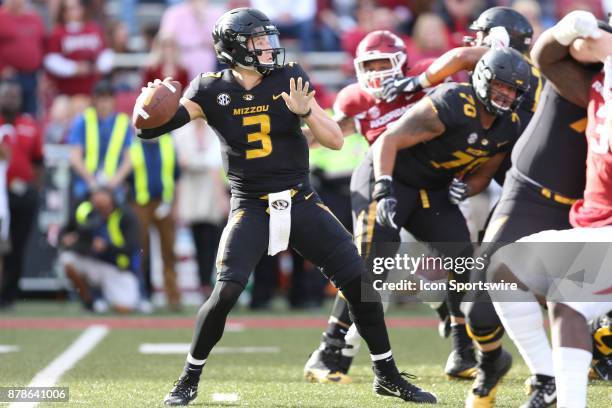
(344, 363)
(542, 392)
(485, 387)
(326, 364)
(461, 364)
(184, 391)
(397, 386)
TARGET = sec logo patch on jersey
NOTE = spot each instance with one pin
(223, 99)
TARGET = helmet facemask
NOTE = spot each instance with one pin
(482, 80)
(264, 52)
(371, 80)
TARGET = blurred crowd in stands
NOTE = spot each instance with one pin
(63, 82)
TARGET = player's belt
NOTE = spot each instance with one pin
(559, 198)
(544, 191)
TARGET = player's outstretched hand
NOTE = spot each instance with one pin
(577, 24)
(458, 191)
(497, 38)
(298, 100)
(392, 87)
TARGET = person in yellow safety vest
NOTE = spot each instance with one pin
(331, 175)
(153, 198)
(100, 253)
(100, 138)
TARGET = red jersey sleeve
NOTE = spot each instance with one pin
(54, 42)
(352, 100)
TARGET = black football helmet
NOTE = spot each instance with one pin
(505, 65)
(519, 29)
(241, 36)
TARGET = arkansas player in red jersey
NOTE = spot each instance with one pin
(580, 272)
(359, 107)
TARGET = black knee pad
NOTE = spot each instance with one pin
(343, 265)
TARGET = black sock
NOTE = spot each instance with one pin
(442, 311)
(369, 317)
(193, 370)
(210, 321)
(460, 339)
(340, 320)
(385, 367)
(489, 357)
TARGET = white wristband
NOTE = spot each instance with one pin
(385, 177)
(423, 81)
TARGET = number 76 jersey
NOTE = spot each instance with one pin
(263, 147)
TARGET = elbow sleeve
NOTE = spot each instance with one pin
(180, 118)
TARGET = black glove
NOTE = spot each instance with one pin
(457, 191)
(394, 86)
(385, 208)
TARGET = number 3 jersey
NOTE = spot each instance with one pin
(462, 148)
(263, 147)
(596, 208)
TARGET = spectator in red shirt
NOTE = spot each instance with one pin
(21, 134)
(21, 48)
(459, 14)
(424, 45)
(165, 62)
(77, 54)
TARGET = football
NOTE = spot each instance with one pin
(156, 106)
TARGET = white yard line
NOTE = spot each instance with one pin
(183, 348)
(225, 397)
(8, 348)
(49, 375)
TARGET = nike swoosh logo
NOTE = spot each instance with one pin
(396, 392)
(549, 398)
(275, 97)
(501, 144)
(308, 196)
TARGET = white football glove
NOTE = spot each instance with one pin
(577, 24)
(497, 38)
(458, 191)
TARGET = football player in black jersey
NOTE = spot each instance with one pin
(256, 108)
(407, 153)
(495, 27)
(498, 26)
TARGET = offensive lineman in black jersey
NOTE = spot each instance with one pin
(481, 122)
(491, 27)
(255, 108)
(518, 33)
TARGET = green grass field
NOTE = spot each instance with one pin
(115, 374)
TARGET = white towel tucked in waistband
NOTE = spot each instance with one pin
(280, 221)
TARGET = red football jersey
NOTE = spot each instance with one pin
(596, 208)
(372, 116)
(26, 147)
(82, 44)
